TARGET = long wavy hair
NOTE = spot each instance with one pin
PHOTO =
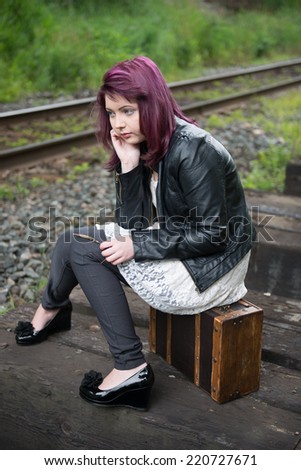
(140, 80)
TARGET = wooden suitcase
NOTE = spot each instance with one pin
(219, 349)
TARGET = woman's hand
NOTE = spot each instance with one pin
(128, 154)
(117, 251)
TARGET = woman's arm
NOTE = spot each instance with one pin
(130, 200)
(202, 230)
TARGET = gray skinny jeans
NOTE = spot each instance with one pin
(79, 261)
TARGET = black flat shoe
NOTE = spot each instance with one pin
(26, 334)
(133, 392)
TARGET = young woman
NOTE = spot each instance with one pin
(182, 236)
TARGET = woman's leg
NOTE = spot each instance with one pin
(60, 284)
(101, 283)
(77, 260)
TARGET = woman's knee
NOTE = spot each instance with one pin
(64, 241)
(79, 243)
(66, 237)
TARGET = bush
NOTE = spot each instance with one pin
(67, 45)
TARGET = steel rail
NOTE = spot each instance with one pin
(18, 116)
(176, 86)
(218, 103)
(87, 104)
(26, 155)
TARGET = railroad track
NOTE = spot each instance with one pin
(30, 154)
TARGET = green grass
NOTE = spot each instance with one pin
(37, 288)
(20, 187)
(8, 306)
(279, 117)
(67, 46)
(78, 170)
(268, 170)
(282, 116)
(11, 191)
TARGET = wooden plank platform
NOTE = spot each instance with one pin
(281, 328)
(275, 260)
(40, 407)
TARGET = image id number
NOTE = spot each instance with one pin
(220, 459)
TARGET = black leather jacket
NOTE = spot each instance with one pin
(201, 207)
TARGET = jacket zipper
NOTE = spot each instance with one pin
(118, 183)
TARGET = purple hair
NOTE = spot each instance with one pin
(140, 80)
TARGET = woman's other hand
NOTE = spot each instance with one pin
(117, 251)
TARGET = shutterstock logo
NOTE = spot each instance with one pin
(175, 229)
(48, 228)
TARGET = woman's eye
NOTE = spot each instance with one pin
(110, 114)
(129, 111)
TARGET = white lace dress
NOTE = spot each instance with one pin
(167, 285)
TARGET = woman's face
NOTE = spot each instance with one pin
(124, 118)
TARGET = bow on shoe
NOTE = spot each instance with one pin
(92, 378)
(24, 328)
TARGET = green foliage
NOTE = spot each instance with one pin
(78, 170)
(280, 118)
(66, 45)
(20, 22)
(268, 170)
(222, 120)
(22, 141)
(6, 192)
(13, 191)
(37, 288)
(286, 113)
(8, 306)
(36, 182)
(279, 4)
(255, 4)
(24, 27)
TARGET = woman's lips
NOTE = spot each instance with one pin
(126, 135)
